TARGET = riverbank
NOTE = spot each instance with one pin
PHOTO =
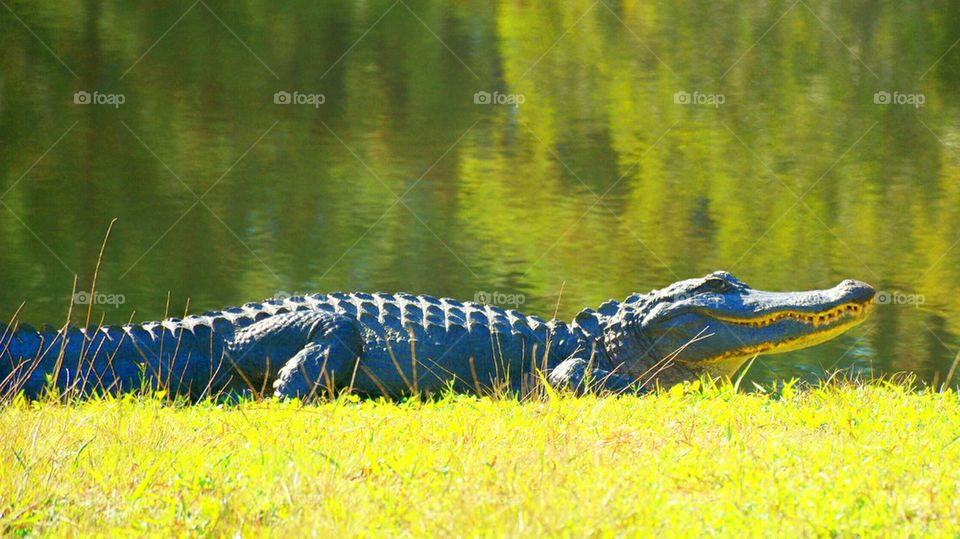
(848, 459)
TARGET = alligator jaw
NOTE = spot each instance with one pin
(846, 311)
(820, 327)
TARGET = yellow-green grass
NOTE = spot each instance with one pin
(848, 459)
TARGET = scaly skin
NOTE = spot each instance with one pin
(395, 344)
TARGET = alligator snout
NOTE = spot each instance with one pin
(858, 291)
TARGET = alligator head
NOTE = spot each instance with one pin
(712, 325)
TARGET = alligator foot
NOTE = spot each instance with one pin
(576, 374)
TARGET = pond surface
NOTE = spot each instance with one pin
(509, 151)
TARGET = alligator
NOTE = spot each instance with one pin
(399, 344)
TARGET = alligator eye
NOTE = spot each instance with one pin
(716, 284)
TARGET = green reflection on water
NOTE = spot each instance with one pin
(599, 184)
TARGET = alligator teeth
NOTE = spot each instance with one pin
(815, 319)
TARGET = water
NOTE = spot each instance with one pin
(654, 142)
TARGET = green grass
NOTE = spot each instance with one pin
(873, 459)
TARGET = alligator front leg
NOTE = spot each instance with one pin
(327, 361)
(301, 353)
(577, 374)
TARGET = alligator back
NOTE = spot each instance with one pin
(408, 340)
(425, 343)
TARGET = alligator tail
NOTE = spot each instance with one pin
(115, 359)
(32, 361)
(19, 358)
